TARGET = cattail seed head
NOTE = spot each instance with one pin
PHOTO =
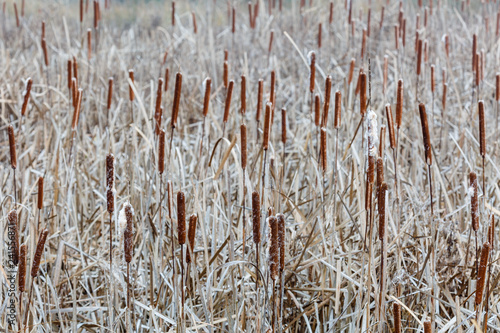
(283, 126)
(274, 248)
(368, 196)
(38, 253)
(12, 147)
(338, 109)
(70, 73)
(22, 268)
(110, 92)
(177, 99)
(167, 75)
(161, 152)
(445, 88)
(256, 217)
(425, 134)
(76, 113)
(45, 55)
(483, 263)
(351, 71)
(195, 26)
(128, 234)
(191, 236)
(243, 95)
(260, 92)
(26, 96)
(380, 171)
(433, 81)
(317, 112)
(328, 91)
(281, 240)
(419, 56)
(427, 327)
(75, 69)
(381, 211)
(312, 70)
(482, 135)
(396, 307)
(381, 140)
(110, 171)
(474, 50)
(181, 218)
(399, 104)
(89, 44)
(267, 126)
(474, 201)
(243, 138)
(158, 104)
(110, 196)
(372, 138)
(40, 192)
(362, 94)
(323, 149)
(130, 90)
(491, 232)
(225, 74)
(14, 232)
(227, 107)
(390, 124)
(497, 95)
(206, 99)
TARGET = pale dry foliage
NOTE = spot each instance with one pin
(332, 258)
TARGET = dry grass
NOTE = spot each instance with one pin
(330, 269)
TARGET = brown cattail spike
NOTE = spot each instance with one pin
(12, 146)
(497, 95)
(281, 240)
(399, 104)
(225, 74)
(110, 196)
(267, 126)
(26, 96)
(274, 248)
(338, 109)
(14, 233)
(110, 92)
(70, 73)
(312, 70)
(474, 201)
(22, 268)
(482, 135)
(283, 126)
(256, 217)
(227, 107)
(110, 171)
(328, 91)
(485, 252)
(425, 134)
(38, 253)
(130, 90)
(381, 211)
(397, 317)
(128, 242)
(206, 99)
(243, 95)
(40, 193)
(260, 92)
(427, 327)
(191, 236)
(351, 71)
(181, 218)
(362, 94)
(317, 112)
(323, 149)
(161, 152)
(177, 99)
(243, 137)
(390, 125)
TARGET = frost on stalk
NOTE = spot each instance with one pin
(471, 191)
(372, 134)
(122, 217)
(310, 55)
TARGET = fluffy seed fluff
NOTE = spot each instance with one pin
(372, 135)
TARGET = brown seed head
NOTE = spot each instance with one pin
(399, 104)
(351, 71)
(474, 201)
(14, 233)
(317, 112)
(130, 90)
(474, 50)
(482, 135)
(445, 88)
(173, 13)
(226, 74)
(381, 136)
(26, 96)
(38, 253)
(167, 75)
(312, 72)
(195, 26)
(328, 91)
(283, 126)
(12, 147)
(425, 134)
(191, 236)
(128, 234)
(267, 126)
(419, 57)
(177, 99)
(338, 109)
(260, 92)
(181, 218)
(390, 124)
(396, 307)
(256, 217)
(491, 232)
(274, 248)
(483, 264)
(243, 138)
(89, 44)
(380, 171)
(243, 95)
(22, 268)
(45, 55)
(227, 107)
(381, 211)
(427, 327)
(323, 149)
(161, 152)
(110, 171)
(362, 94)
(110, 92)
(497, 95)
(110, 196)
(40, 192)
(433, 81)
(206, 99)
(281, 240)
(70, 73)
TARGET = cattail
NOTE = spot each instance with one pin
(233, 25)
(110, 200)
(317, 114)
(491, 232)
(363, 43)
(128, 234)
(433, 81)
(38, 253)
(206, 99)
(89, 44)
(397, 317)
(368, 196)
(110, 92)
(272, 95)
(12, 146)
(351, 71)
(274, 248)
(96, 14)
(281, 240)
(181, 218)
(167, 74)
(267, 126)
(319, 36)
(372, 145)
(161, 152)
(419, 56)
(70, 73)
(483, 263)
(396, 36)
(226, 74)
(380, 171)
(404, 33)
(323, 149)
(425, 134)
(328, 91)
(40, 192)
(195, 26)
(110, 171)
(399, 104)
(417, 39)
(228, 101)
(362, 94)
(259, 100)
(177, 99)
(158, 101)
(392, 138)
(312, 69)
(256, 217)
(381, 140)
(243, 138)
(75, 69)
(381, 210)
(427, 327)
(474, 49)
(76, 113)
(74, 92)
(498, 86)
(14, 231)
(26, 96)
(474, 202)
(445, 88)
(283, 126)
(226, 55)
(250, 19)
(271, 38)
(447, 45)
(191, 236)
(81, 11)
(477, 70)
(45, 55)
(130, 90)
(338, 109)
(330, 17)
(22, 268)
(482, 136)
(243, 95)
(382, 17)
(173, 13)
(17, 16)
